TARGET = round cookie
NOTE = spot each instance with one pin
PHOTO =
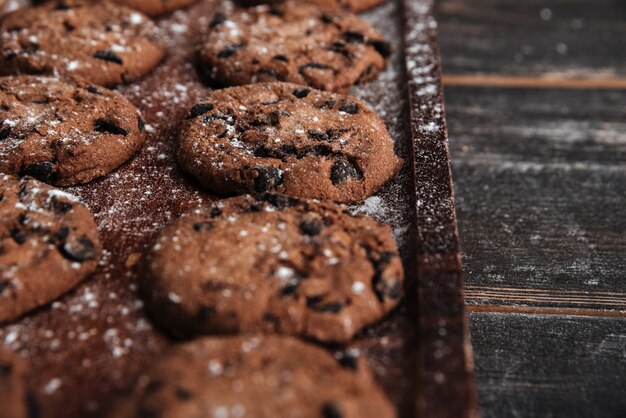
(356, 6)
(286, 138)
(272, 264)
(101, 42)
(48, 244)
(255, 377)
(295, 42)
(155, 7)
(64, 132)
(15, 400)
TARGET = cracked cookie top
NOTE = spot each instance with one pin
(272, 264)
(286, 138)
(294, 42)
(48, 244)
(64, 132)
(101, 42)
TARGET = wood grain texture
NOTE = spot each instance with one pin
(566, 38)
(540, 179)
(550, 366)
(551, 81)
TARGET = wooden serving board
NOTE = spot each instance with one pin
(94, 341)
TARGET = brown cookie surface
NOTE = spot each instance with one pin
(356, 6)
(272, 264)
(15, 401)
(48, 244)
(64, 132)
(286, 138)
(8, 6)
(155, 7)
(295, 42)
(101, 42)
(255, 377)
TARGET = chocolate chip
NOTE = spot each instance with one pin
(328, 104)
(331, 410)
(108, 56)
(311, 227)
(202, 226)
(275, 11)
(218, 19)
(343, 171)
(32, 405)
(93, 89)
(68, 26)
(228, 51)
(4, 285)
(301, 92)
(140, 124)
(106, 126)
(348, 361)
(281, 57)
(5, 368)
(41, 171)
(326, 19)
(350, 108)
(385, 286)
(215, 212)
(354, 37)
(290, 288)
(267, 178)
(382, 47)
(5, 132)
(319, 135)
(199, 109)
(59, 206)
(61, 6)
(205, 313)
(18, 236)
(79, 250)
(61, 233)
(279, 201)
(317, 304)
(183, 394)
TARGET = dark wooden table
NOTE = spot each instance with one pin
(536, 107)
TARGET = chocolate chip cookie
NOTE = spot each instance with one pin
(14, 398)
(272, 264)
(295, 42)
(48, 244)
(356, 6)
(101, 42)
(287, 138)
(257, 377)
(64, 132)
